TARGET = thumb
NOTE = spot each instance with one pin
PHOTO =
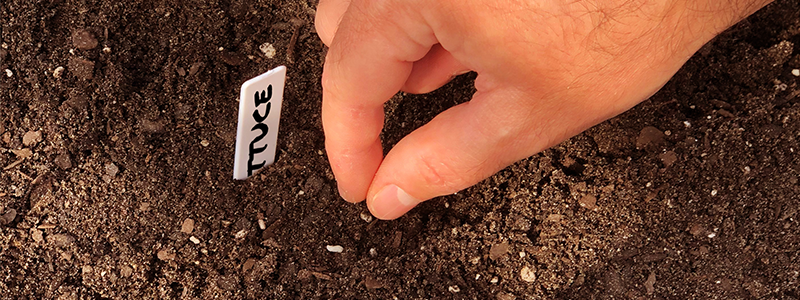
(460, 147)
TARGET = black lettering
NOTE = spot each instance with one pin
(259, 118)
(265, 96)
(253, 150)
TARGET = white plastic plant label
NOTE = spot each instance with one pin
(259, 114)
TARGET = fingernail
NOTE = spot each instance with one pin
(343, 193)
(391, 203)
(461, 72)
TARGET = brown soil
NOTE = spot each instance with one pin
(691, 195)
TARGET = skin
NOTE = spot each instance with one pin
(547, 70)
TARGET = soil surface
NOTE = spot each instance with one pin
(117, 127)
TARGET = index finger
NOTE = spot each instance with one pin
(369, 60)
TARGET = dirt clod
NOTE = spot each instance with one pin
(84, 40)
(82, 68)
(30, 138)
(650, 136)
(498, 250)
(8, 217)
(166, 254)
(588, 202)
(63, 161)
(61, 240)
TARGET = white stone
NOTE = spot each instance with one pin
(796, 72)
(268, 50)
(194, 240)
(58, 71)
(334, 248)
(9, 73)
(366, 217)
(453, 289)
(527, 274)
(261, 224)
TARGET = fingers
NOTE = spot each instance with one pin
(329, 14)
(368, 62)
(434, 70)
(457, 149)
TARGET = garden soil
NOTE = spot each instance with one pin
(117, 129)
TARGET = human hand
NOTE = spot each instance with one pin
(547, 70)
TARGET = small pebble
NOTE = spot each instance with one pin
(494, 280)
(373, 252)
(111, 169)
(796, 72)
(194, 240)
(334, 248)
(261, 224)
(453, 289)
(107, 49)
(367, 217)
(9, 73)
(241, 234)
(713, 192)
(187, 226)
(527, 274)
(204, 143)
(37, 235)
(58, 71)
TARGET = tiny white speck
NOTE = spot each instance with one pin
(194, 240)
(717, 282)
(334, 248)
(708, 117)
(668, 133)
(712, 235)
(242, 233)
(477, 276)
(687, 124)
(373, 252)
(692, 106)
(494, 280)
(205, 143)
(713, 192)
(746, 169)
(220, 49)
(522, 254)
(453, 289)
(9, 73)
(107, 49)
(301, 193)
(796, 72)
